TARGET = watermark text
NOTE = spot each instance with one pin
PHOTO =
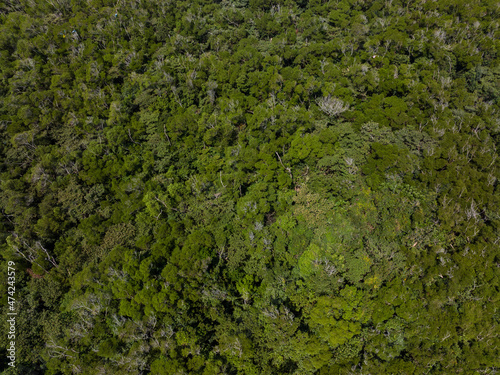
(11, 313)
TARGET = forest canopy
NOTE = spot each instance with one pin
(250, 186)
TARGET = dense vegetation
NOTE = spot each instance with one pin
(251, 186)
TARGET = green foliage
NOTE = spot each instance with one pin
(254, 187)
